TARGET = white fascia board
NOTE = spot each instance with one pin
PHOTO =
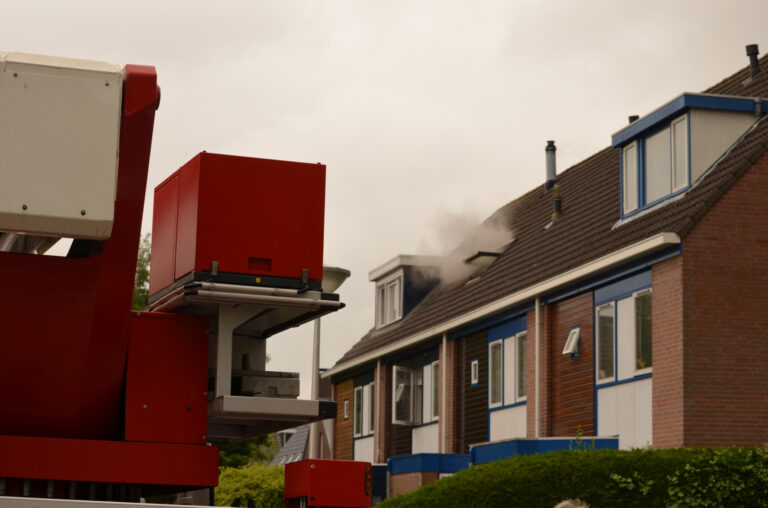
(400, 261)
(621, 256)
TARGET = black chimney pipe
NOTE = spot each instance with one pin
(752, 53)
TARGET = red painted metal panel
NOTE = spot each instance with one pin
(164, 219)
(252, 216)
(66, 335)
(187, 228)
(108, 461)
(328, 482)
(165, 399)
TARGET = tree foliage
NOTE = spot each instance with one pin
(260, 449)
(141, 282)
(252, 485)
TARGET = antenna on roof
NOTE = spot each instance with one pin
(752, 53)
(551, 169)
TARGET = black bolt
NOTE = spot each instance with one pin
(23, 207)
(15, 74)
(189, 409)
(82, 212)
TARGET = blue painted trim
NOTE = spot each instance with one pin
(363, 379)
(508, 329)
(490, 452)
(488, 322)
(625, 381)
(437, 462)
(623, 287)
(509, 406)
(614, 275)
(425, 358)
(676, 106)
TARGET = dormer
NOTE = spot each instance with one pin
(668, 150)
(401, 283)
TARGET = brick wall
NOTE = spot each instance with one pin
(571, 379)
(725, 268)
(343, 431)
(667, 330)
(544, 374)
(408, 482)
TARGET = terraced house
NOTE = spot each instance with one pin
(628, 297)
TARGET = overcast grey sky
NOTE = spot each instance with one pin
(429, 114)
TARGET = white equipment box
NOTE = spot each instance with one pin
(59, 136)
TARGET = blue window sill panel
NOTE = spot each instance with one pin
(437, 462)
(490, 452)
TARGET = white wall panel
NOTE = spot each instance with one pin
(425, 439)
(626, 410)
(364, 449)
(508, 423)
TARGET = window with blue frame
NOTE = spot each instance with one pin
(507, 364)
(623, 335)
(655, 166)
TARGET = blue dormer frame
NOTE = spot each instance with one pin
(662, 118)
(683, 103)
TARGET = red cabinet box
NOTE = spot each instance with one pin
(239, 220)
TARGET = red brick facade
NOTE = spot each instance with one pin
(725, 273)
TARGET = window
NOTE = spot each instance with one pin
(630, 177)
(572, 342)
(401, 395)
(389, 297)
(358, 426)
(474, 372)
(624, 339)
(346, 409)
(507, 376)
(435, 390)
(655, 167)
(425, 381)
(495, 375)
(364, 410)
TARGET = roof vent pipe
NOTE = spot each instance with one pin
(752, 53)
(551, 169)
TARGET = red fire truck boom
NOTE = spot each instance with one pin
(99, 402)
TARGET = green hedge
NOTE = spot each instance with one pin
(606, 478)
(260, 484)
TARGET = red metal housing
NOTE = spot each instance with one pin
(338, 483)
(193, 227)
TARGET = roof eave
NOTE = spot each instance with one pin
(624, 255)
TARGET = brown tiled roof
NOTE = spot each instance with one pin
(585, 231)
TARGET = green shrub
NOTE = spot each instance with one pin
(260, 484)
(606, 478)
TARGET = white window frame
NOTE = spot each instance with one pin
(520, 398)
(634, 176)
(409, 372)
(361, 407)
(491, 345)
(510, 380)
(389, 289)
(435, 398)
(371, 408)
(346, 409)
(640, 174)
(474, 372)
(635, 295)
(572, 342)
(620, 342)
(607, 379)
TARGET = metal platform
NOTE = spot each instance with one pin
(233, 418)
